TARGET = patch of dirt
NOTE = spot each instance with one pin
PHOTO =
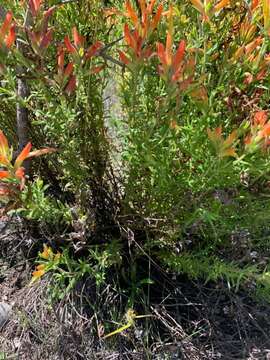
(219, 322)
(188, 320)
(17, 243)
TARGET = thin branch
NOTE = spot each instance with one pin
(111, 44)
(113, 60)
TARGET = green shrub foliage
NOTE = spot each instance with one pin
(158, 114)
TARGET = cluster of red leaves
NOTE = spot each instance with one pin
(252, 46)
(76, 49)
(174, 68)
(148, 21)
(65, 77)
(7, 35)
(143, 27)
(34, 6)
(40, 36)
(7, 31)
(12, 175)
(138, 52)
(223, 147)
(208, 8)
(259, 136)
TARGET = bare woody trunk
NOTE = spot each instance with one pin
(22, 115)
(22, 112)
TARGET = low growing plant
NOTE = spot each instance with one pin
(12, 174)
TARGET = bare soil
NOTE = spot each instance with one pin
(189, 320)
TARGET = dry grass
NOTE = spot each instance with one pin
(189, 320)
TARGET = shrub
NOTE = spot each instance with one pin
(194, 133)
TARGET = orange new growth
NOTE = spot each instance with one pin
(261, 123)
(209, 8)
(148, 21)
(223, 147)
(259, 131)
(34, 6)
(260, 117)
(254, 4)
(7, 31)
(171, 65)
(78, 46)
(4, 148)
(13, 175)
(22, 156)
(40, 35)
(144, 24)
(47, 252)
(65, 76)
(39, 272)
(137, 51)
(50, 257)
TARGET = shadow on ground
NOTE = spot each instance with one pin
(188, 320)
